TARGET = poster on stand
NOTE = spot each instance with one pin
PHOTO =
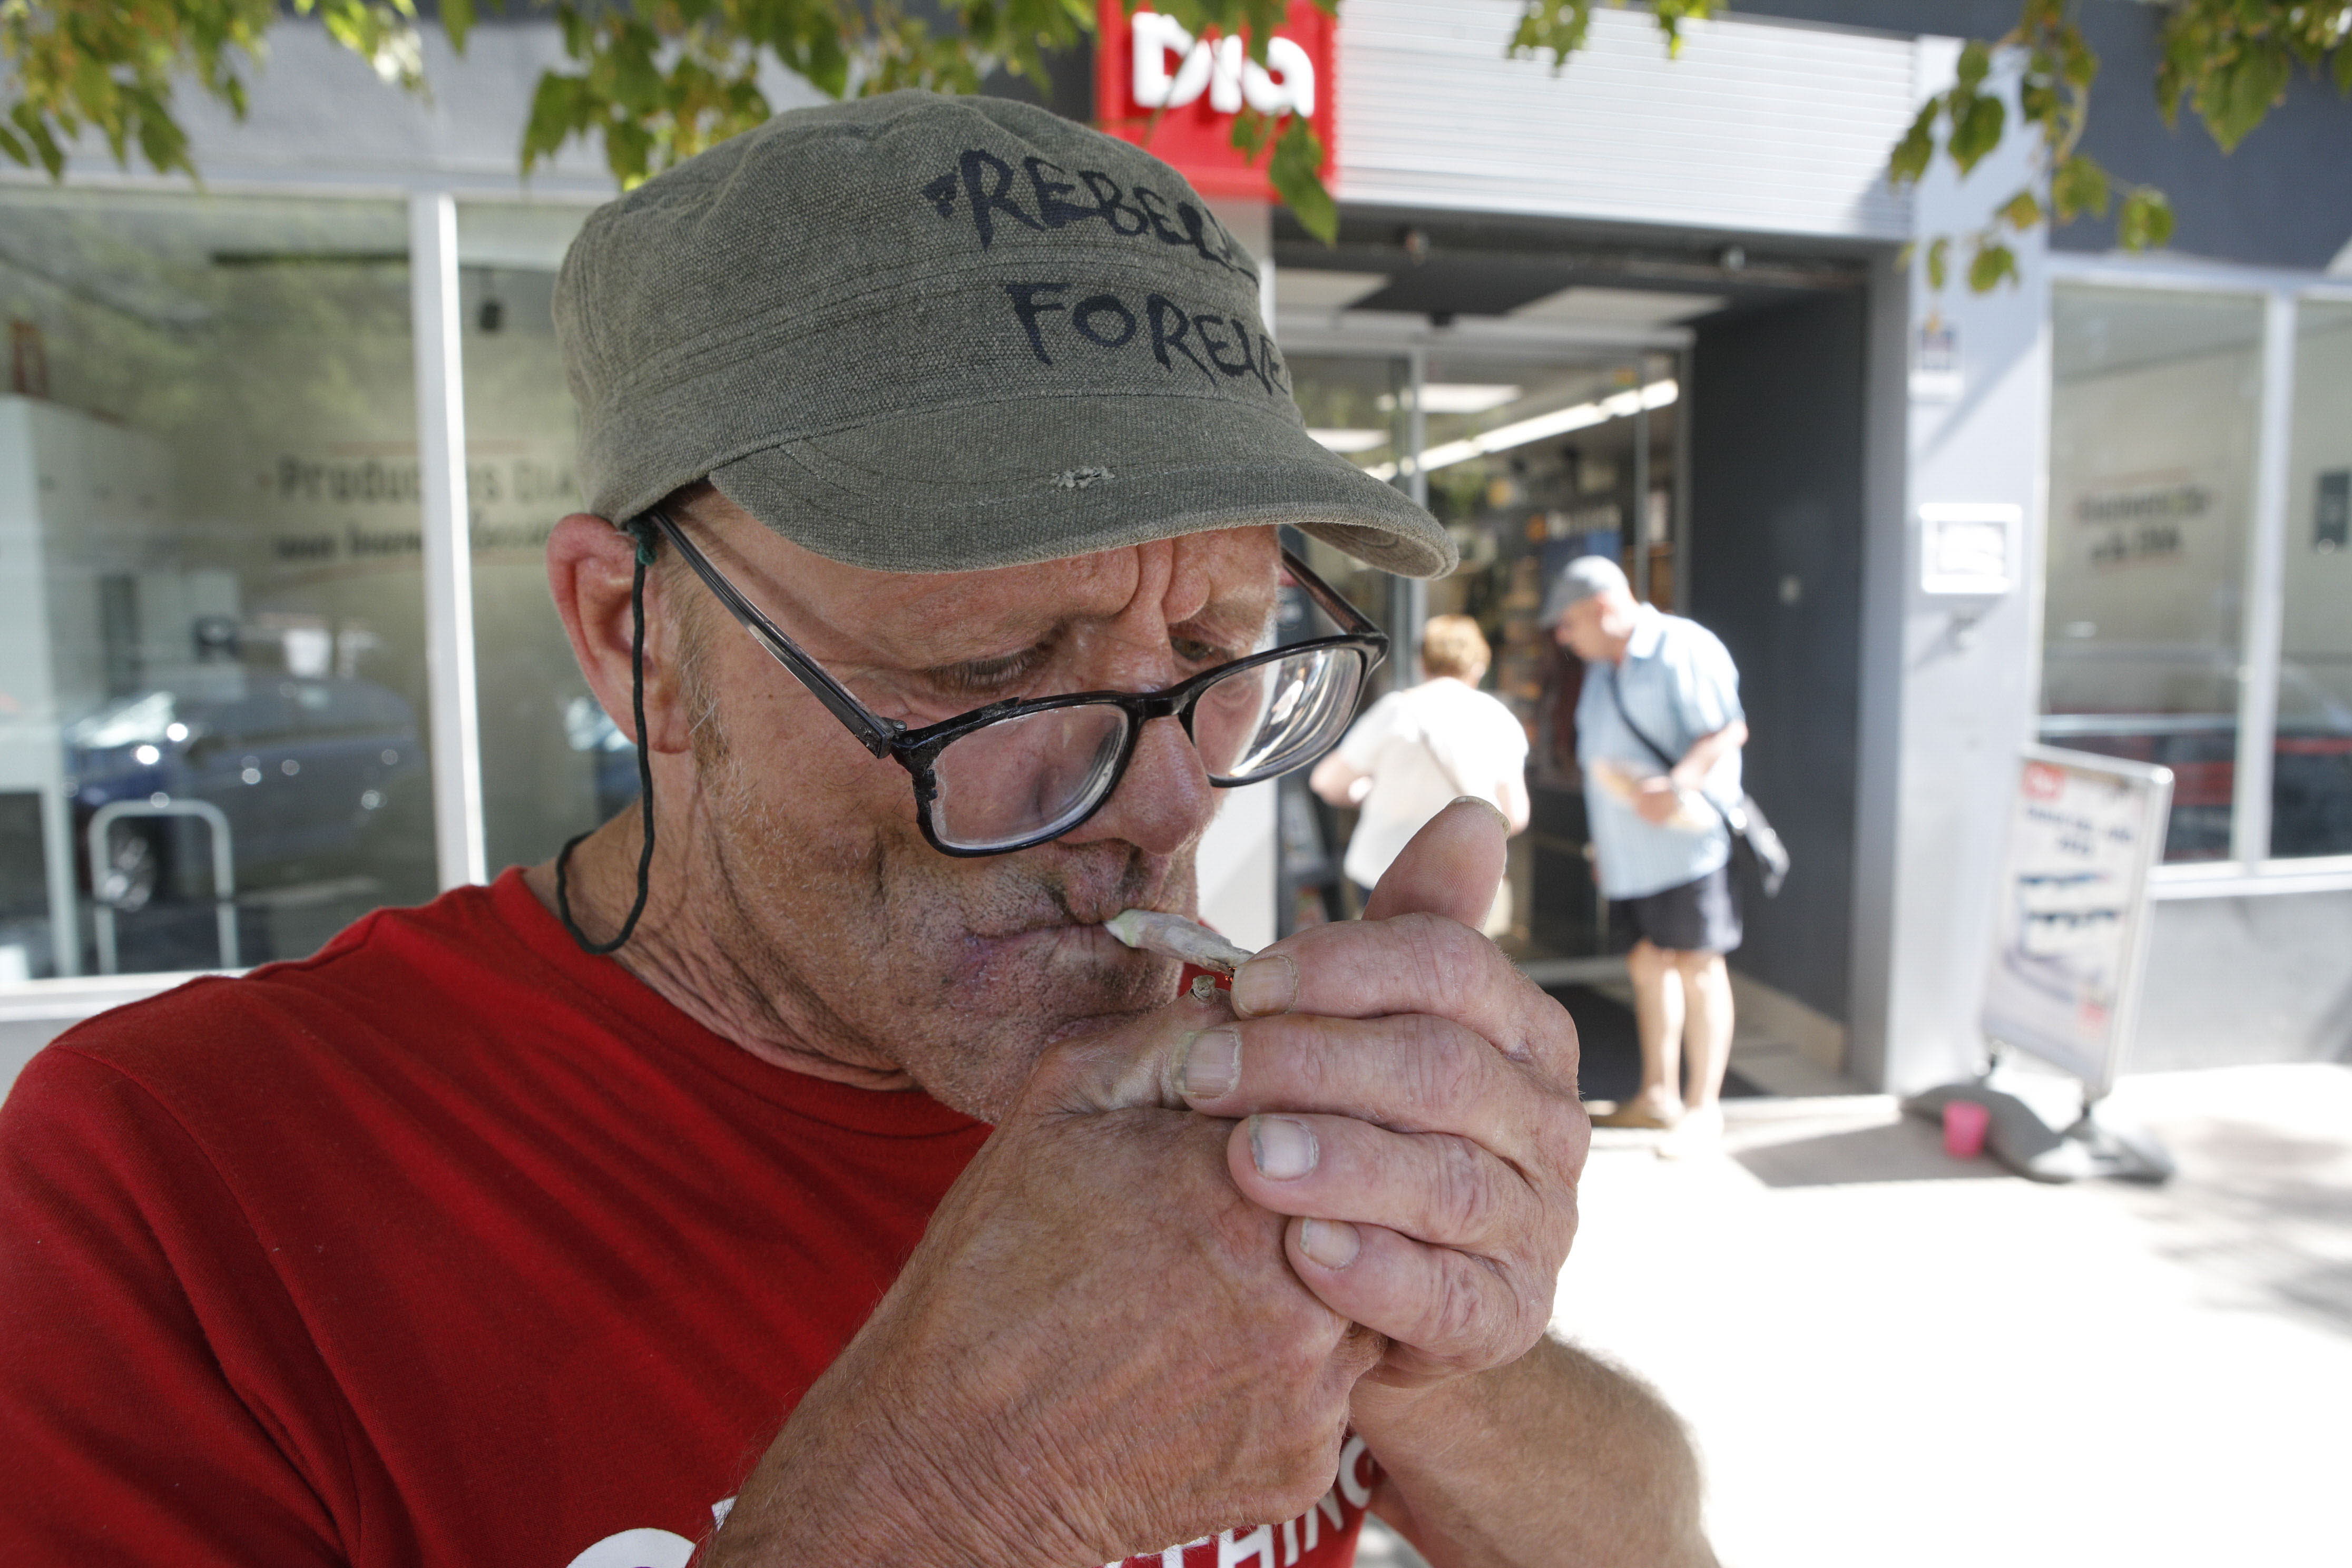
(2070, 936)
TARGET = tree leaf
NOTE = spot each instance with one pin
(1992, 262)
(1939, 262)
(2021, 212)
(2038, 102)
(160, 140)
(1908, 163)
(1976, 63)
(2078, 186)
(1296, 173)
(554, 118)
(2233, 59)
(628, 150)
(2246, 91)
(457, 21)
(2145, 222)
(1672, 14)
(45, 145)
(1252, 130)
(1559, 27)
(2080, 66)
(1976, 131)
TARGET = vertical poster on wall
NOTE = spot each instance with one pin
(2070, 936)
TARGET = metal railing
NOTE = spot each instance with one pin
(224, 871)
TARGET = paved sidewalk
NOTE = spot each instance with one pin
(1891, 1357)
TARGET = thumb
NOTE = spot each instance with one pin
(1450, 868)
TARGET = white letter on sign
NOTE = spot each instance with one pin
(1290, 87)
(1226, 76)
(1284, 85)
(1155, 37)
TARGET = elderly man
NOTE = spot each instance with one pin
(870, 1204)
(1658, 733)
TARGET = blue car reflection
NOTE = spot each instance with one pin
(315, 776)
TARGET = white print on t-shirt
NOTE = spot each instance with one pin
(1277, 1545)
(1267, 1546)
(637, 1549)
(648, 1547)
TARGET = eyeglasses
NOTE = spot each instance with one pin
(1017, 773)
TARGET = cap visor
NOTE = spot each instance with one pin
(1038, 478)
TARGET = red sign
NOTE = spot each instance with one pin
(1165, 91)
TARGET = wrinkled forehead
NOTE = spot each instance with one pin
(1224, 580)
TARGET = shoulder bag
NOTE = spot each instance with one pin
(1749, 828)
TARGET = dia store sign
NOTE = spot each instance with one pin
(1157, 86)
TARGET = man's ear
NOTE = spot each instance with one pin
(590, 567)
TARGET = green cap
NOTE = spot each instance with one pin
(920, 333)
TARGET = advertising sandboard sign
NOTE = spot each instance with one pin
(2071, 933)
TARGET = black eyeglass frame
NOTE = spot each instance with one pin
(917, 750)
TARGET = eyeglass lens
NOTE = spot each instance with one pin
(1028, 775)
(1035, 775)
(1266, 718)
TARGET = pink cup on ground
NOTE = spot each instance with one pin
(1964, 1128)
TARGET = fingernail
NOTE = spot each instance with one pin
(1281, 1149)
(1333, 1243)
(1268, 984)
(1482, 800)
(1212, 1062)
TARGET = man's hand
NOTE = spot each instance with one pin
(1409, 1101)
(1119, 1331)
(1438, 1087)
(1098, 1349)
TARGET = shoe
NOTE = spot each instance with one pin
(1638, 1114)
(1699, 1132)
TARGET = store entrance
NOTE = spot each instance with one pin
(1532, 449)
(1698, 415)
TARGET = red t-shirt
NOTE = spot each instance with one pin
(450, 1245)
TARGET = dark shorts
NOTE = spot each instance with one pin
(1697, 917)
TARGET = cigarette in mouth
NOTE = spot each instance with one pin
(1173, 936)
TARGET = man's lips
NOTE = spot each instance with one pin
(1065, 947)
(1088, 933)
(1045, 940)
(1073, 913)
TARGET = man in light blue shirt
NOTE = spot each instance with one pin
(1658, 733)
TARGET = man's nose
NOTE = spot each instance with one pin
(1164, 800)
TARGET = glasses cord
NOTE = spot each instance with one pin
(642, 531)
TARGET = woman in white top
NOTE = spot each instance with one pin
(1415, 750)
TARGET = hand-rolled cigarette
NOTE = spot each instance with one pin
(1176, 937)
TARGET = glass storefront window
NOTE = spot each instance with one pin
(1530, 460)
(2153, 413)
(212, 651)
(1357, 405)
(553, 763)
(2311, 772)
(1532, 463)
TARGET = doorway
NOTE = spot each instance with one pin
(1531, 448)
(1775, 569)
